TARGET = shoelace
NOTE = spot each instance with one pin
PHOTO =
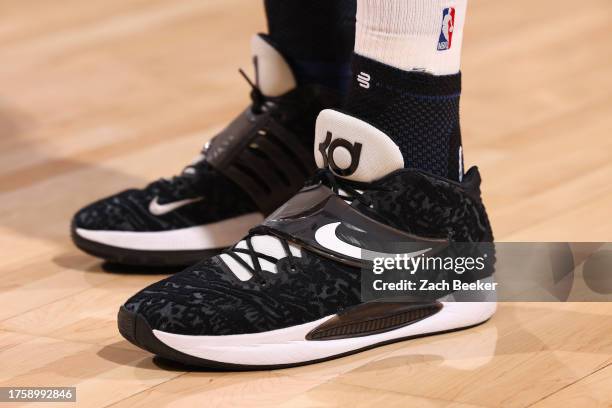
(340, 187)
(186, 177)
(257, 97)
(183, 181)
(255, 257)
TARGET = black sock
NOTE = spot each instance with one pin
(316, 36)
(418, 111)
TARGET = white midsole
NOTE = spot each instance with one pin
(289, 345)
(210, 236)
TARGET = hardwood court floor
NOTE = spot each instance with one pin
(98, 96)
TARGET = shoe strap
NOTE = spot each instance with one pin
(265, 159)
(319, 220)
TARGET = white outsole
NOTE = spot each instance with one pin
(210, 236)
(289, 345)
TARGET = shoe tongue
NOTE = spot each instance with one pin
(354, 149)
(273, 74)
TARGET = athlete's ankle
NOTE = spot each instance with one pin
(418, 111)
(406, 79)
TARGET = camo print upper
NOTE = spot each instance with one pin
(129, 210)
(208, 299)
(222, 197)
(430, 206)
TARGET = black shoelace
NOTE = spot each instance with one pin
(182, 182)
(257, 97)
(338, 186)
(255, 256)
(188, 176)
(342, 188)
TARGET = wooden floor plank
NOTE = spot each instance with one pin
(496, 364)
(97, 97)
(101, 374)
(594, 390)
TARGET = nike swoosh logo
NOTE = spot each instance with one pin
(327, 238)
(156, 208)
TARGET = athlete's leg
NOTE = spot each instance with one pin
(406, 79)
(316, 36)
(290, 292)
(250, 168)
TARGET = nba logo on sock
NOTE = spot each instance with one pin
(448, 25)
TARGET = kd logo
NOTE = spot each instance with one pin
(327, 148)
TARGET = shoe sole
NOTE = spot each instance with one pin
(136, 257)
(260, 352)
(179, 247)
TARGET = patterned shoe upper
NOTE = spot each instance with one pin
(214, 198)
(266, 282)
(255, 164)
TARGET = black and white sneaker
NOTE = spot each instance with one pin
(253, 166)
(290, 292)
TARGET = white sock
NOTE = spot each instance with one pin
(412, 35)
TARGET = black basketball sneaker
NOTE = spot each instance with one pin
(289, 293)
(253, 166)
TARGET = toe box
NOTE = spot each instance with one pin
(120, 212)
(196, 301)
